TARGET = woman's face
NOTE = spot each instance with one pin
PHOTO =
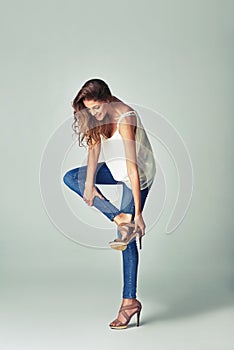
(97, 108)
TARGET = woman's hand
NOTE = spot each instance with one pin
(90, 192)
(139, 223)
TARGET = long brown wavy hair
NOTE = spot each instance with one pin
(88, 129)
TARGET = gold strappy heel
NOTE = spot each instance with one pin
(126, 231)
(136, 305)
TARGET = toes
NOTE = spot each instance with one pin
(113, 323)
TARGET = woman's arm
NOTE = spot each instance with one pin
(127, 131)
(90, 190)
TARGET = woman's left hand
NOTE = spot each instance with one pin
(139, 223)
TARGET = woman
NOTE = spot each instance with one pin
(102, 121)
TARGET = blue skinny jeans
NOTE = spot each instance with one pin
(75, 180)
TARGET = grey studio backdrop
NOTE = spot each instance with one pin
(173, 57)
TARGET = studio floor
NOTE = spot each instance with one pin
(71, 316)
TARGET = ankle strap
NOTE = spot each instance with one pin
(135, 305)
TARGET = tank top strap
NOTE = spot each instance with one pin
(125, 115)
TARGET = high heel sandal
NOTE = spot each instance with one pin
(126, 229)
(116, 324)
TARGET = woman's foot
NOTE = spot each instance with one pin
(120, 220)
(128, 233)
(128, 309)
(123, 217)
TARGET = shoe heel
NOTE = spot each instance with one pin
(138, 319)
(140, 242)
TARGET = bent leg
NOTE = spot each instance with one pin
(75, 180)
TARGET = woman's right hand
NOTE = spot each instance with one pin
(90, 192)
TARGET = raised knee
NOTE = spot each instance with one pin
(67, 177)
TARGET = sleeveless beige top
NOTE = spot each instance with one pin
(115, 158)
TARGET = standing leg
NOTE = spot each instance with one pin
(130, 255)
(130, 305)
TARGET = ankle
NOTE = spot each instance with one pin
(127, 301)
(122, 217)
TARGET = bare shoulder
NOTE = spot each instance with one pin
(128, 117)
(126, 120)
(120, 106)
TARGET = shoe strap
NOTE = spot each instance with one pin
(125, 229)
(135, 305)
(126, 316)
(118, 323)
